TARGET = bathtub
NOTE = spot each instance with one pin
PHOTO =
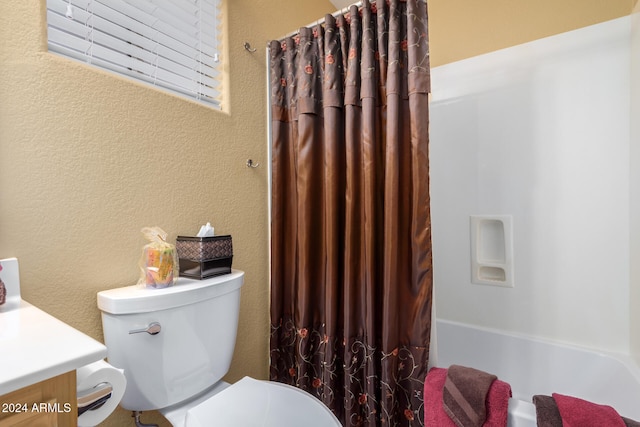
(533, 366)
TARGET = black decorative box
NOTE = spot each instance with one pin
(202, 257)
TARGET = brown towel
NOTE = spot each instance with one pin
(547, 414)
(630, 423)
(464, 395)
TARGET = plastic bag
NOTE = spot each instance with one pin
(159, 261)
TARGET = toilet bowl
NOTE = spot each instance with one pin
(251, 402)
(175, 344)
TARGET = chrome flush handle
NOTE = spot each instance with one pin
(153, 329)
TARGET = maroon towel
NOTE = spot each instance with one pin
(465, 395)
(576, 412)
(435, 416)
(498, 404)
(3, 290)
(547, 414)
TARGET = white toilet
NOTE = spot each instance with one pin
(175, 344)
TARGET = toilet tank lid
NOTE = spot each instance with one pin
(138, 299)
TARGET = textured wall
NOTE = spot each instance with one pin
(87, 159)
(460, 29)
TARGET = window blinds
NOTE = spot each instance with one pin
(172, 44)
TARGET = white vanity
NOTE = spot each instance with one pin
(39, 355)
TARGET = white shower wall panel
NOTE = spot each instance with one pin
(635, 184)
(541, 132)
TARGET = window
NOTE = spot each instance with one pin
(171, 44)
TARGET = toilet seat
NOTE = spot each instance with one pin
(251, 402)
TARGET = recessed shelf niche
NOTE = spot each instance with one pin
(491, 250)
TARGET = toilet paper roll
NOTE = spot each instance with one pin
(93, 376)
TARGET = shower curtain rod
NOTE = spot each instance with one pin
(335, 14)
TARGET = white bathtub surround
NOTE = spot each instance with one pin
(539, 132)
(634, 215)
(534, 366)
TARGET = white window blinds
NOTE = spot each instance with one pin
(172, 44)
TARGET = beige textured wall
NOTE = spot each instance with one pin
(87, 159)
(459, 29)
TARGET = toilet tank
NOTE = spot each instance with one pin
(198, 321)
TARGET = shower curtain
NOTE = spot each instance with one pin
(351, 280)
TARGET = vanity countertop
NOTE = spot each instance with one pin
(35, 346)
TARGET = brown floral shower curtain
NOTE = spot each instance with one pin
(351, 280)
